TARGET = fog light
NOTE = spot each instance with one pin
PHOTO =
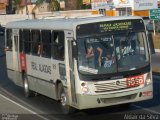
(148, 81)
(84, 88)
(83, 84)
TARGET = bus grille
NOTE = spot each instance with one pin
(111, 86)
(118, 99)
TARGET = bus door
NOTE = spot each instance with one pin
(15, 51)
(70, 62)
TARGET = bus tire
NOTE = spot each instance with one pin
(27, 91)
(66, 109)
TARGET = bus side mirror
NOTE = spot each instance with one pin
(74, 49)
(151, 44)
(7, 49)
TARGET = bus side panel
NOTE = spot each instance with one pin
(32, 82)
(39, 75)
(13, 74)
(9, 64)
(9, 61)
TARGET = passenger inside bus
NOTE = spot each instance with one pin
(93, 53)
(90, 52)
(132, 38)
(40, 51)
(104, 59)
(108, 60)
(128, 46)
(90, 57)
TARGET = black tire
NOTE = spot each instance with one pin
(27, 91)
(66, 109)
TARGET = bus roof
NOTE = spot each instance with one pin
(62, 23)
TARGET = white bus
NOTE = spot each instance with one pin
(84, 63)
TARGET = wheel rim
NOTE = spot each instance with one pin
(63, 99)
(25, 86)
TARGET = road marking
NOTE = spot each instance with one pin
(146, 109)
(24, 107)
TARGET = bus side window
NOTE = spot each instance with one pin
(9, 39)
(36, 44)
(58, 45)
(46, 43)
(26, 41)
(21, 43)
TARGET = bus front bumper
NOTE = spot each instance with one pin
(94, 101)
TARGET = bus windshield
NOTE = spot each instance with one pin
(112, 53)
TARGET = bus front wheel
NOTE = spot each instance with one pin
(66, 109)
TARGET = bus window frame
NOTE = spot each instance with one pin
(56, 46)
(9, 44)
(36, 41)
(45, 44)
(28, 42)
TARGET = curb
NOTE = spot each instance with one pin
(157, 50)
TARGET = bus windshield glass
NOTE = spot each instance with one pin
(112, 49)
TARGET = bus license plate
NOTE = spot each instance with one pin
(135, 81)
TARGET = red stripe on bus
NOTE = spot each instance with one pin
(23, 62)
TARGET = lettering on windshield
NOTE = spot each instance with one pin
(102, 38)
(104, 27)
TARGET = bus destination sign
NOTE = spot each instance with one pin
(115, 26)
(110, 27)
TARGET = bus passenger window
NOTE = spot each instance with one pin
(9, 40)
(46, 43)
(36, 45)
(58, 45)
(21, 41)
(27, 41)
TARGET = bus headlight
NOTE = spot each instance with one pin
(148, 80)
(84, 88)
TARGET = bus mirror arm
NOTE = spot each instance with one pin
(151, 44)
(74, 49)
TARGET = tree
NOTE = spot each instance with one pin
(72, 4)
(54, 5)
(17, 5)
(37, 4)
(75, 5)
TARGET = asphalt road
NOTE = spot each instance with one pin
(13, 104)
